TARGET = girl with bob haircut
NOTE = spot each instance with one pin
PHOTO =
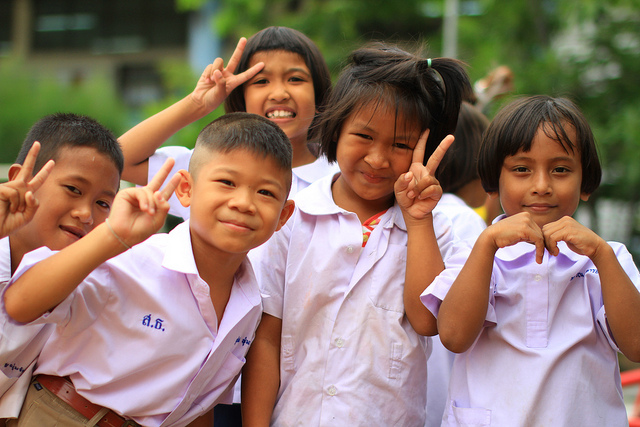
(543, 304)
(341, 336)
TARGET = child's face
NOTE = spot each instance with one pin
(282, 92)
(373, 150)
(237, 201)
(546, 181)
(76, 197)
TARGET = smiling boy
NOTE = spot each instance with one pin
(156, 332)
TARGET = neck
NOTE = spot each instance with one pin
(17, 251)
(301, 154)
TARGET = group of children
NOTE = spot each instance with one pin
(318, 255)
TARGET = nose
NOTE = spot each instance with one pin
(377, 157)
(83, 212)
(279, 92)
(541, 183)
(242, 201)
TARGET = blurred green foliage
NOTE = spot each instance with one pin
(27, 96)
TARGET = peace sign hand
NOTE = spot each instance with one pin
(18, 203)
(418, 191)
(138, 212)
(217, 81)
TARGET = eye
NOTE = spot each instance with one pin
(561, 169)
(267, 193)
(104, 204)
(401, 146)
(520, 169)
(73, 189)
(226, 182)
(260, 81)
(363, 136)
(297, 79)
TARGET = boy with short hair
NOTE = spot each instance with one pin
(76, 197)
(157, 334)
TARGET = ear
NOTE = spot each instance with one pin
(493, 194)
(14, 170)
(584, 196)
(184, 189)
(285, 214)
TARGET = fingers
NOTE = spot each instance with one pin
(171, 186)
(157, 180)
(237, 54)
(420, 148)
(438, 154)
(29, 162)
(41, 176)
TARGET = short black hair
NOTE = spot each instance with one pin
(515, 126)
(459, 166)
(427, 92)
(250, 132)
(69, 130)
(288, 40)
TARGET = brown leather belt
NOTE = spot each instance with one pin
(64, 389)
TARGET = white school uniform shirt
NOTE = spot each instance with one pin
(546, 355)
(348, 353)
(467, 225)
(140, 336)
(302, 176)
(19, 348)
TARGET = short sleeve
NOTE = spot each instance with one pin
(182, 156)
(628, 265)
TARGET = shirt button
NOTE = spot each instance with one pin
(349, 249)
(537, 277)
(339, 342)
(332, 390)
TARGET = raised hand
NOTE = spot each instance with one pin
(18, 203)
(139, 212)
(418, 191)
(217, 81)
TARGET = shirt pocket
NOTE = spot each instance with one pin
(387, 279)
(472, 417)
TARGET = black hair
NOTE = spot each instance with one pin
(459, 166)
(515, 126)
(250, 132)
(288, 40)
(427, 92)
(68, 130)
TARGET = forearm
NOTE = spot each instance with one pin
(141, 141)
(621, 302)
(424, 263)
(261, 374)
(464, 308)
(50, 281)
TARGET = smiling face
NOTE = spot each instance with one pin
(76, 197)
(283, 92)
(374, 148)
(545, 181)
(237, 201)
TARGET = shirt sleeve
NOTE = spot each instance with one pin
(182, 156)
(628, 265)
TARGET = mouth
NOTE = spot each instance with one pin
(540, 207)
(75, 231)
(280, 113)
(373, 178)
(237, 225)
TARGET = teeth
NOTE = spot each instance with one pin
(279, 114)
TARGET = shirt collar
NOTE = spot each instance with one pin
(5, 260)
(317, 199)
(179, 257)
(312, 172)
